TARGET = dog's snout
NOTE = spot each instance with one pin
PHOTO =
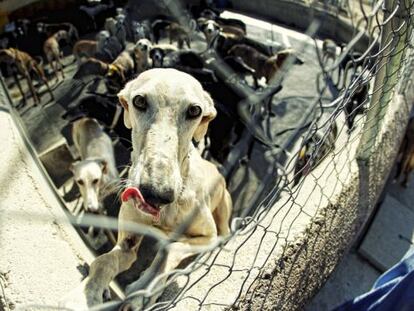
(155, 197)
(91, 208)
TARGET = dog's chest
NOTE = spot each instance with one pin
(175, 215)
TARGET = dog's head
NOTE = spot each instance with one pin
(143, 46)
(88, 175)
(41, 27)
(114, 78)
(274, 63)
(102, 36)
(165, 109)
(210, 28)
(120, 19)
(157, 56)
(62, 35)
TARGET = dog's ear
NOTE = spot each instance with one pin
(202, 23)
(72, 166)
(209, 113)
(151, 52)
(104, 165)
(122, 75)
(124, 103)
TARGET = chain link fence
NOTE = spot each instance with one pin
(302, 183)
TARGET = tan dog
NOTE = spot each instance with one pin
(25, 64)
(120, 70)
(84, 48)
(97, 168)
(52, 51)
(141, 53)
(88, 48)
(165, 109)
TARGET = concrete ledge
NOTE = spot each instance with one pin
(308, 262)
(41, 250)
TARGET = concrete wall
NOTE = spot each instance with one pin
(299, 16)
(308, 262)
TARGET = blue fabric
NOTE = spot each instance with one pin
(393, 291)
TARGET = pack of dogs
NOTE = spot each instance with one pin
(168, 113)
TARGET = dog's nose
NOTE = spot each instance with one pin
(92, 208)
(156, 198)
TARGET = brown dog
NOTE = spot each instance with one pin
(262, 65)
(89, 48)
(84, 48)
(25, 64)
(407, 150)
(178, 33)
(52, 51)
(119, 71)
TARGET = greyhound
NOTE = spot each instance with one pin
(120, 70)
(96, 170)
(25, 64)
(52, 51)
(169, 181)
(89, 48)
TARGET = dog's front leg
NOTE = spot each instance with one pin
(31, 87)
(156, 276)
(102, 271)
(107, 266)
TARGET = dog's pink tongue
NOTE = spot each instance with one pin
(136, 195)
(132, 193)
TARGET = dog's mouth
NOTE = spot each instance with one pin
(133, 193)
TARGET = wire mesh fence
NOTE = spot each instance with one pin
(291, 155)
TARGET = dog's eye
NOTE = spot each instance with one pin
(79, 182)
(95, 181)
(193, 112)
(140, 103)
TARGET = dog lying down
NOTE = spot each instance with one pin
(168, 180)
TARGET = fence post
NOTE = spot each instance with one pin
(395, 36)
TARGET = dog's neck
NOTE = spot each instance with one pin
(185, 163)
(185, 166)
